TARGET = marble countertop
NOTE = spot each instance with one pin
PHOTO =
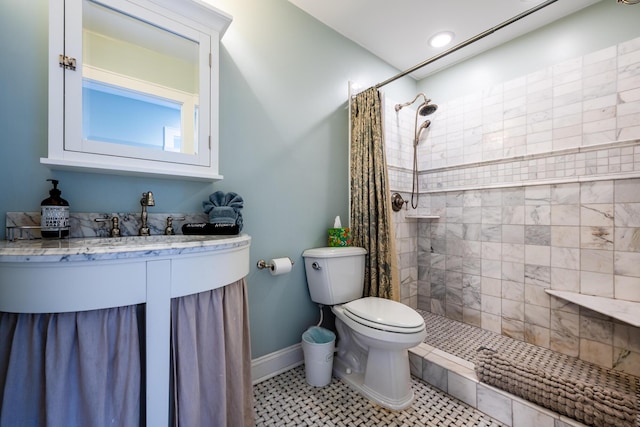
(104, 248)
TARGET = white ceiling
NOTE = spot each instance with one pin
(397, 31)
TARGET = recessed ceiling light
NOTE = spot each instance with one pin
(441, 39)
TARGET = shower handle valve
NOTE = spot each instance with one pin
(397, 202)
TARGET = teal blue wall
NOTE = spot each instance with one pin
(284, 147)
(596, 27)
(283, 142)
(283, 138)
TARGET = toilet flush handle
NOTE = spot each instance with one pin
(315, 266)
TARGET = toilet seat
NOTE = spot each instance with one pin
(384, 314)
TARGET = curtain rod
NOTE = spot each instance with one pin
(467, 42)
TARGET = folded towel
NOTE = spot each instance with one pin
(220, 198)
(224, 208)
(223, 215)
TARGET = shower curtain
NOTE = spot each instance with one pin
(371, 226)
(211, 358)
(70, 369)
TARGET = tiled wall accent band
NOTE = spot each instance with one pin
(604, 161)
(537, 185)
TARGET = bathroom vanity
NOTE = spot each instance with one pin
(75, 275)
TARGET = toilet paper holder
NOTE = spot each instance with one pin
(262, 264)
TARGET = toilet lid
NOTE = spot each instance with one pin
(384, 314)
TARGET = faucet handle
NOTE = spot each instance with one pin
(115, 225)
(169, 231)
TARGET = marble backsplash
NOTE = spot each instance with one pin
(84, 225)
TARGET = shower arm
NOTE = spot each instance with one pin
(468, 42)
(398, 107)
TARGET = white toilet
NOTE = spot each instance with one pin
(374, 334)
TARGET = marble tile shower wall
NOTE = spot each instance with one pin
(537, 184)
(494, 251)
(407, 253)
(577, 118)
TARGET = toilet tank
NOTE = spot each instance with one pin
(334, 275)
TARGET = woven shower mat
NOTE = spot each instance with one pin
(541, 373)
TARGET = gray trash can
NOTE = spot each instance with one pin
(318, 346)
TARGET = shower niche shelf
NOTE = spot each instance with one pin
(626, 311)
(429, 217)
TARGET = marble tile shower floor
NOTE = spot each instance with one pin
(287, 400)
(444, 334)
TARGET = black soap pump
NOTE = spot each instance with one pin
(54, 214)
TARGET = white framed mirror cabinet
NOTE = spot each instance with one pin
(133, 87)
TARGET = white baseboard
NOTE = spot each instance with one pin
(275, 363)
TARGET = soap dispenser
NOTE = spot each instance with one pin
(54, 214)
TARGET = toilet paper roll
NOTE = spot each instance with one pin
(280, 266)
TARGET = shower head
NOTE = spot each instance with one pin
(424, 125)
(419, 130)
(427, 109)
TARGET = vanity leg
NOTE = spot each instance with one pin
(158, 327)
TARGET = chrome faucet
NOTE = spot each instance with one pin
(147, 200)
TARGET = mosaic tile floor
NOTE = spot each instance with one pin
(287, 400)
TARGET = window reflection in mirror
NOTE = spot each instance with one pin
(140, 83)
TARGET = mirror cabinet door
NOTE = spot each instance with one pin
(141, 85)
